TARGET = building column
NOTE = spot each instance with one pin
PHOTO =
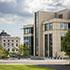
(34, 40)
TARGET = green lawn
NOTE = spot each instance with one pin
(22, 67)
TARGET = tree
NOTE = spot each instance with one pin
(14, 53)
(66, 43)
(3, 53)
(23, 50)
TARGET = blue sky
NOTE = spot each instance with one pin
(14, 14)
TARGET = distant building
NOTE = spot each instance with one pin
(8, 42)
(28, 38)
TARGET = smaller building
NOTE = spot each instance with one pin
(8, 42)
(28, 37)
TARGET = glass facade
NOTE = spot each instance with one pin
(64, 26)
(28, 42)
(48, 45)
(28, 30)
(60, 16)
(68, 25)
(48, 26)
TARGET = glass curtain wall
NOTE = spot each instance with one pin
(28, 42)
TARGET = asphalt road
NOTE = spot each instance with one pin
(58, 67)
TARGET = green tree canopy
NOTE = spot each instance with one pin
(3, 52)
(23, 50)
(66, 43)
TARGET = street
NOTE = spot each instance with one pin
(58, 67)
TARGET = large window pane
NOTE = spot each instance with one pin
(46, 45)
(68, 25)
(48, 26)
(50, 45)
(28, 30)
(28, 42)
(63, 26)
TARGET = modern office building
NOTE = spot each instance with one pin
(28, 37)
(9, 43)
(49, 27)
(48, 30)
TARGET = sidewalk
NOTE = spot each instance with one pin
(35, 62)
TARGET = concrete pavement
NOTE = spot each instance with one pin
(36, 62)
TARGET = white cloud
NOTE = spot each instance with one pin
(29, 21)
(9, 18)
(30, 6)
(8, 1)
(67, 3)
(35, 5)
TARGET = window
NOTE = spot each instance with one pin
(16, 40)
(63, 26)
(13, 49)
(12, 40)
(31, 30)
(8, 49)
(8, 40)
(16, 44)
(68, 25)
(48, 45)
(27, 41)
(8, 44)
(4, 44)
(16, 49)
(60, 16)
(12, 44)
(27, 30)
(4, 40)
(48, 26)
